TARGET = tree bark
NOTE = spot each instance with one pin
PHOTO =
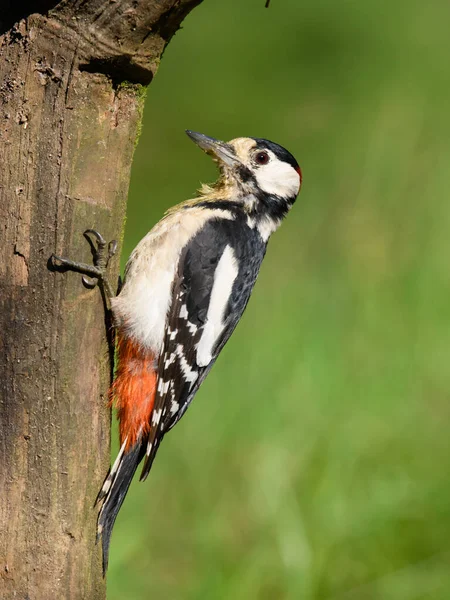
(72, 86)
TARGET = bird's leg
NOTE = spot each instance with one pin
(92, 274)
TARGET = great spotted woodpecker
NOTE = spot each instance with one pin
(186, 286)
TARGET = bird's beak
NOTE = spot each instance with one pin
(224, 152)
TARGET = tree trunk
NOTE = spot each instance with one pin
(72, 86)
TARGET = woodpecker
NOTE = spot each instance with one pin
(186, 286)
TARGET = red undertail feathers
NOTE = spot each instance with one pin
(133, 390)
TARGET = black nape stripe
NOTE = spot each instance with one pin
(268, 205)
(234, 207)
(274, 207)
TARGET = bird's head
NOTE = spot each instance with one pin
(261, 173)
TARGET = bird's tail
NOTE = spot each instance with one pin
(114, 491)
(133, 395)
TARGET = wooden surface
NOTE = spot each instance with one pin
(71, 98)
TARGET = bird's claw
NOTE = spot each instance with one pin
(90, 282)
(102, 253)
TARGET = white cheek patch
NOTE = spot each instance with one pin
(278, 177)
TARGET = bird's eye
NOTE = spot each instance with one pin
(262, 158)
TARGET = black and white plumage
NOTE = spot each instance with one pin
(186, 286)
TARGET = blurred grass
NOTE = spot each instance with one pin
(314, 462)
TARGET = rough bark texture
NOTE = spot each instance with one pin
(68, 128)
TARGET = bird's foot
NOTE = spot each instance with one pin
(92, 274)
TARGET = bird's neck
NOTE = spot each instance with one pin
(261, 210)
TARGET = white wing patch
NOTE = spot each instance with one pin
(224, 277)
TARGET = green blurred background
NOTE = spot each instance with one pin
(314, 463)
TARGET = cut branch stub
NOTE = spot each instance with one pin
(123, 39)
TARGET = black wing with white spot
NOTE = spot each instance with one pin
(216, 274)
